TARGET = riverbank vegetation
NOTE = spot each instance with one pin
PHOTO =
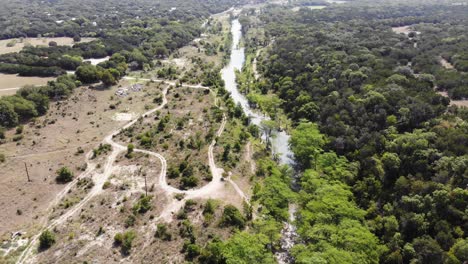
(377, 145)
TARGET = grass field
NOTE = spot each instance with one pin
(20, 43)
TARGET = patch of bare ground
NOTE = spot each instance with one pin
(10, 83)
(447, 65)
(63, 137)
(16, 45)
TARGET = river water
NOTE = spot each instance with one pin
(279, 139)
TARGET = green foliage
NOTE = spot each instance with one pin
(306, 142)
(232, 217)
(103, 148)
(244, 248)
(143, 205)
(64, 175)
(163, 233)
(275, 192)
(87, 73)
(130, 149)
(46, 240)
(125, 240)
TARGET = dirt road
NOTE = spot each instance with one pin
(211, 190)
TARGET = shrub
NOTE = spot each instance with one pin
(130, 221)
(173, 172)
(130, 149)
(46, 240)
(64, 175)
(143, 205)
(125, 241)
(189, 182)
(162, 233)
(103, 148)
(191, 250)
(106, 185)
(2, 157)
(118, 239)
(232, 217)
(52, 44)
(19, 129)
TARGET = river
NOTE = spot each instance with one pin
(279, 139)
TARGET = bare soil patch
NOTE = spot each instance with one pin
(10, 83)
(20, 43)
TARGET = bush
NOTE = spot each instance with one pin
(191, 250)
(130, 221)
(52, 44)
(130, 149)
(64, 175)
(46, 240)
(232, 217)
(162, 233)
(2, 157)
(189, 182)
(125, 241)
(143, 205)
(19, 129)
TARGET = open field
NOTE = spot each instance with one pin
(315, 7)
(9, 83)
(20, 43)
(51, 142)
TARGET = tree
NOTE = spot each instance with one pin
(306, 143)
(46, 240)
(87, 73)
(232, 217)
(267, 127)
(245, 248)
(41, 101)
(8, 116)
(460, 250)
(64, 175)
(107, 78)
(428, 250)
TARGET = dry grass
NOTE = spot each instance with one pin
(20, 43)
(52, 142)
(10, 83)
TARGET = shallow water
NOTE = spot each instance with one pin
(279, 140)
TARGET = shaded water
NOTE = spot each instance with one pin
(279, 139)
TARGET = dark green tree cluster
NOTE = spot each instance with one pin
(32, 101)
(385, 162)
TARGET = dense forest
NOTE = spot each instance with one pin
(384, 159)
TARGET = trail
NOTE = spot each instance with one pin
(212, 189)
(50, 151)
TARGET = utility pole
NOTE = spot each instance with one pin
(27, 173)
(146, 186)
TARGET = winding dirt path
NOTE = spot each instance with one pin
(211, 190)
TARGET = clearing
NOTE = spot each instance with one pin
(18, 44)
